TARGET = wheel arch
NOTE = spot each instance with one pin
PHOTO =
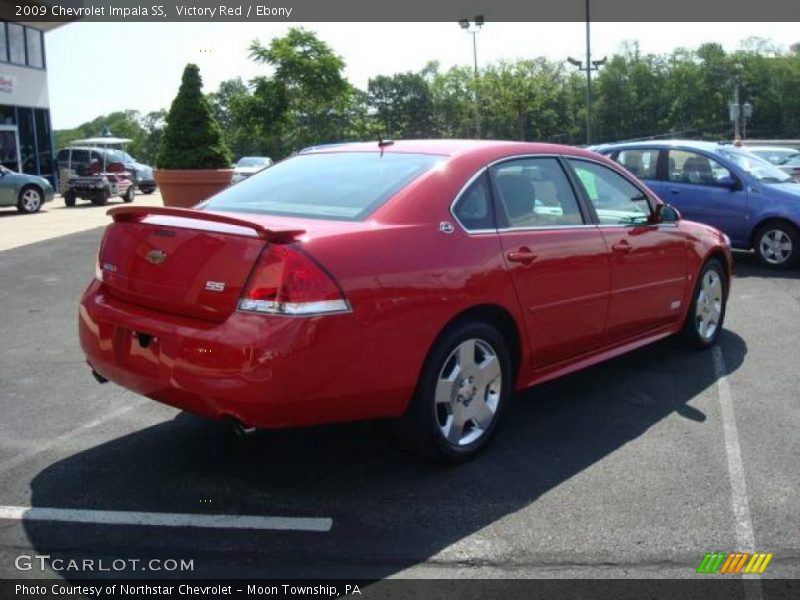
(495, 315)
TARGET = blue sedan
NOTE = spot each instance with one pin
(753, 202)
(27, 192)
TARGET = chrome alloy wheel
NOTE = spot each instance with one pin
(31, 200)
(775, 246)
(708, 307)
(468, 392)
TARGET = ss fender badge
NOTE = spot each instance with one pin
(215, 286)
(156, 257)
(446, 227)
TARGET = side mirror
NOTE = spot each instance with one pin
(667, 214)
(728, 182)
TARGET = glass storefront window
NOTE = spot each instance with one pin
(27, 141)
(16, 43)
(33, 39)
(46, 166)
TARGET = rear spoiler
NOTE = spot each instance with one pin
(135, 214)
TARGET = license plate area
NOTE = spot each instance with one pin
(137, 350)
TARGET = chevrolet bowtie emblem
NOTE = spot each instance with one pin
(156, 257)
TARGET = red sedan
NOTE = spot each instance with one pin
(420, 280)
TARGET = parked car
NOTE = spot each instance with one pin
(95, 174)
(70, 159)
(753, 202)
(774, 154)
(791, 166)
(141, 173)
(420, 280)
(27, 192)
(249, 165)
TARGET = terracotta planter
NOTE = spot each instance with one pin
(184, 189)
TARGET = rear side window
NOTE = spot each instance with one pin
(641, 163)
(80, 157)
(474, 208)
(535, 192)
(346, 186)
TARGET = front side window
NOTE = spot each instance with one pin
(535, 192)
(346, 186)
(616, 200)
(641, 163)
(698, 169)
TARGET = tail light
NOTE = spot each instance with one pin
(287, 282)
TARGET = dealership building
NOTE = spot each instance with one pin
(26, 134)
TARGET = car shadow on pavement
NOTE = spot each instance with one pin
(390, 511)
(745, 264)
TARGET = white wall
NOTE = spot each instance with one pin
(27, 87)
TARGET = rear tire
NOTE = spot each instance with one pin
(465, 383)
(777, 244)
(706, 314)
(69, 198)
(130, 193)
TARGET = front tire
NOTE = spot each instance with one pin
(465, 383)
(777, 245)
(706, 314)
(30, 200)
(129, 194)
(69, 198)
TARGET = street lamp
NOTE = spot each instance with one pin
(591, 65)
(473, 27)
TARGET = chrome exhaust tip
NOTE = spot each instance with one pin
(240, 430)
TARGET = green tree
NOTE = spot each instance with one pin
(192, 138)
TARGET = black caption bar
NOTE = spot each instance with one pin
(397, 589)
(408, 10)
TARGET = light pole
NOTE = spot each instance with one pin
(474, 27)
(591, 65)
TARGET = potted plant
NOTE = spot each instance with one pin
(193, 161)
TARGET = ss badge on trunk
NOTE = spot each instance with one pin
(215, 286)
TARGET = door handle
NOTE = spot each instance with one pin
(622, 246)
(523, 255)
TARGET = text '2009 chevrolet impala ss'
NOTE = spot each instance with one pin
(424, 281)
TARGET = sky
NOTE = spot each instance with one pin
(88, 62)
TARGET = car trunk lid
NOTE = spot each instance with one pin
(187, 262)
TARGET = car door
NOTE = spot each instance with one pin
(648, 260)
(557, 258)
(704, 190)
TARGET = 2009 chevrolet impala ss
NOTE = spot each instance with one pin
(420, 280)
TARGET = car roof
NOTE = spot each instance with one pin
(449, 147)
(692, 144)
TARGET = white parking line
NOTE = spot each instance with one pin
(745, 538)
(114, 517)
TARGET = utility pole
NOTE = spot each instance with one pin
(591, 65)
(473, 27)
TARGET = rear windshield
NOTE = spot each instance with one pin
(346, 186)
(252, 162)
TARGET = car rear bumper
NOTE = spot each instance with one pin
(264, 371)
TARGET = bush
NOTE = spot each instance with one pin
(192, 138)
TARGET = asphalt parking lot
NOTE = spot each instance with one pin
(634, 468)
